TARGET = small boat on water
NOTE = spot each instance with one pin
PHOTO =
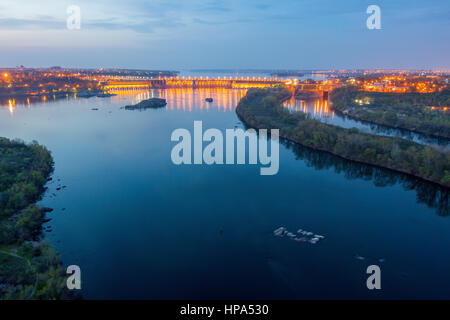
(280, 231)
(300, 236)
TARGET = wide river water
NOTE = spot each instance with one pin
(141, 227)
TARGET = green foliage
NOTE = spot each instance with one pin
(402, 155)
(29, 269)
(29, 222)
(409, 111)
(23, 169)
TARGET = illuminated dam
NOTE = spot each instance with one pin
(230, 83)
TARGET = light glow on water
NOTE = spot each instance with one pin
(186, 99)
(207, 231)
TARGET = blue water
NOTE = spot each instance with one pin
(322, 110)
(141, 227)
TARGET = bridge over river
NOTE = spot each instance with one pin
(225, 82)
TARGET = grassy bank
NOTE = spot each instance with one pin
(261, 108)
(29, 267)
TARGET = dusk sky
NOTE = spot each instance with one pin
(231, 34)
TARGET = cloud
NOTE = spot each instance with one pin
(209, 31)
(15, 23)
(50, 23)
(222, 22)
(215, 6)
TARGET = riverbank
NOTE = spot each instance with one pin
(423, 113)
(20, 96)
(30, 268)
(261, 108)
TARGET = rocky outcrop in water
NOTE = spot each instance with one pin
(146, 104)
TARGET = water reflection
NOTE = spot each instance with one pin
(186, 99)
(12, 105)
(316, 108)
(27, 101)
(320, 109)
(225, 100)
(430, 194)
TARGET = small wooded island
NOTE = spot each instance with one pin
(425, 113)
(262, 108)
(151, 103)
(29, 267)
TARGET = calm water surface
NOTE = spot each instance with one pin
(141, 227)
(321, 110)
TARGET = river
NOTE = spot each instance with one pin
(323, 111)
(141, 227)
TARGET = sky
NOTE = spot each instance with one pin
(226, 34)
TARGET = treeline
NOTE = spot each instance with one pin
(29, 268)
(410, 111)
(261, 108)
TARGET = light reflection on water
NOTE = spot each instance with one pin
(208, 230)
(322, 110)
(189, 99)
(316, 108)
(185, 99)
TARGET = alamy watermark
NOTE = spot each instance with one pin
(74, 17)
(213, 153)
(73, 21)
(374, 280)
(374, 20)
(74, 280)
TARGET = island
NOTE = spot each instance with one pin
(94, 93)
(152, 103)
(426, 113)
(262, 108)
(29, 266)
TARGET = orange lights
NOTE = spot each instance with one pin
(317, 107)
(6, 75)
(401, 84)
(189, 82)
(188, 99)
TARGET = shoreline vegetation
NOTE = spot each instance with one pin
(152, 103)
(85, 93)
(262, 108)
(425, 113)
(29, 266)
(26, 98)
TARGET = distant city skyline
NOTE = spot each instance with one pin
(215, 34)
